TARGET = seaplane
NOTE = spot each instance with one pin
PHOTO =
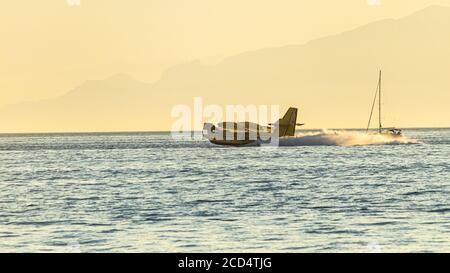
(250, 134)
(390, 132)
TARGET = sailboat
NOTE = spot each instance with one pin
(391, 132)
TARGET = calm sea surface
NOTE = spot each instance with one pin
(144, 192)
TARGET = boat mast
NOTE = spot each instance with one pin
(379, 104)
(373, 105)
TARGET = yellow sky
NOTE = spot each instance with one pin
(48, 47)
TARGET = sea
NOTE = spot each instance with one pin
(321, 191)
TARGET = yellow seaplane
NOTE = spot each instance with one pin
(249, 133)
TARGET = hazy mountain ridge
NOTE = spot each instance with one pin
(414, 53)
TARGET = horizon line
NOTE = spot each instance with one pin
(192, 131)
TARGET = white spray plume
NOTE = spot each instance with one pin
(343, 138)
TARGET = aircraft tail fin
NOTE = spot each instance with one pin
(286, 125)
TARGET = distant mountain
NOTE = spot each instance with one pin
(332, 80)
(116, 102)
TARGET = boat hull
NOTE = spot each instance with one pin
(234, 143)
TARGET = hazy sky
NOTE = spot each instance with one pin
(48, 47)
